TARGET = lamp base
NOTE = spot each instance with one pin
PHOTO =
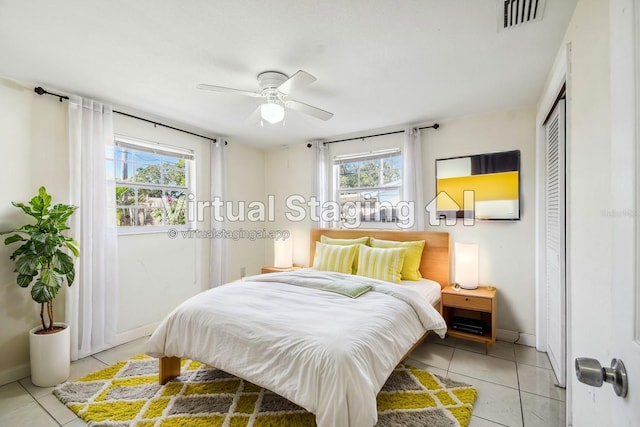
(468, 286)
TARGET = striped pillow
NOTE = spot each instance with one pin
(360, 240)
(412, 258)
(381, 263)
(336, 258)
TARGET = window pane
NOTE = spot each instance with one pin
(370, 196)
(369, 173)
(153, 198)
(174, 208)
(143, 217)
(125, 216)
(125, 196)
(392, 168)
(163, 173)
(153, 216)
(391, 196)
(149, 196)
(348, 175)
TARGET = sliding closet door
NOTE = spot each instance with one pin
(555, 242)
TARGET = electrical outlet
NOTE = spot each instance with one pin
(243, 272)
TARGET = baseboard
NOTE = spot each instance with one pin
(134, 334)
(14, 374)
(528, 340)
(506, 335)
(513, 336)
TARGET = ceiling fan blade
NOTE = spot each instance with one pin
(229, 90)
(299, 80)
(254, 118)
(308, 109)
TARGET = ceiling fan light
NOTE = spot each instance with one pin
(271, 112)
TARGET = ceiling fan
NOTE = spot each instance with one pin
(275, 88)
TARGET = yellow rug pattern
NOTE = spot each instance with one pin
(127, 394)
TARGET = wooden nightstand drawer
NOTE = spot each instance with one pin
(475, 305)
(467, 302)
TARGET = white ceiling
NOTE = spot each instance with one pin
(379, 63)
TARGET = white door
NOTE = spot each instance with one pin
(625, 184)
(609, 322)
(555, 241)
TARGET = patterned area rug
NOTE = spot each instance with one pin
(128, 394)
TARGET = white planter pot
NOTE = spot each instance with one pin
(50, 356)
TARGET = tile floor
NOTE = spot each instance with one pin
(515, 384)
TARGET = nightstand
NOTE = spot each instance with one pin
(268, 269)
(470, 306)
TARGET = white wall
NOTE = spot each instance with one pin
(288, 171)
(245, 172)
(33, 134)
(506, 247)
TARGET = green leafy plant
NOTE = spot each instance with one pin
(40, 259)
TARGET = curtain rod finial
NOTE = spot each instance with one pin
(39, 90)
(436, 126)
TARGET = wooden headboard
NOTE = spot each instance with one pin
(435, 262)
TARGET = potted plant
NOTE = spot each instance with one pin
(42, 263)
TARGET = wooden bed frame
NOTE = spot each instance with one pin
(435, 262)
(434, 265)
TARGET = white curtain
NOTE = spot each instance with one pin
(322, 167)
(412, 185)
(218, 261)
(91, 303)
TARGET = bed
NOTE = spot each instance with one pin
(328, 353)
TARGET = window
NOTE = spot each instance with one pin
(369, 186)
(152, 183)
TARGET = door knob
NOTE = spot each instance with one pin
(589, 371)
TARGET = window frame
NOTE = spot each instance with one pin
(160, 149)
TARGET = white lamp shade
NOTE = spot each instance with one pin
(283, 253)
(466, 265)
(273, 113)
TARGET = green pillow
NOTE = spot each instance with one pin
(334, 258)
(344, 242)
(411, 267)
(381, 263)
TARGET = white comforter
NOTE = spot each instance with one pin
(328, 353)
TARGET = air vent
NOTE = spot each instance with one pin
(513, 13)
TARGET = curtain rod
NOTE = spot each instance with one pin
(434, 126)
(41, 91)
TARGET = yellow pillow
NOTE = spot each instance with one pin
(411, 267)
(334, 257)
(344, 242)
(383, 264)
